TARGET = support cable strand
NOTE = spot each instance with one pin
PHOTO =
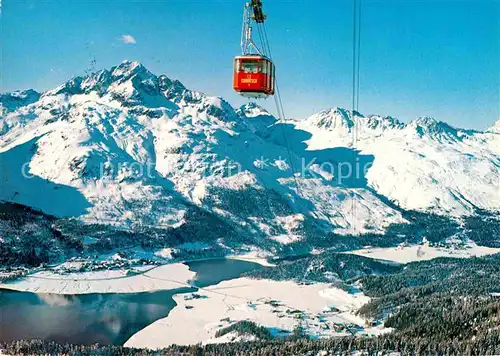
(281, 115)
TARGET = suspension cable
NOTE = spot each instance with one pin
(356, 46)
(358, 54)
(282, 117)
(261, 38)
(281, 113)
(267, 40)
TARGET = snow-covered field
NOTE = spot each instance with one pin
(61, 280)
(405, 254)
(279, 306)
(253, 256)
(170, 276)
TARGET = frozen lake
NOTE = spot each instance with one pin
(101, 318)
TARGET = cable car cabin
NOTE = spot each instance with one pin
(253, 76)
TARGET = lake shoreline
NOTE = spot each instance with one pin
(281, 306)
(147, 278)
(106, 307)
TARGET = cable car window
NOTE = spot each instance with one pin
(264, 67)
(272, 77)
(268, 76)
(250, 66)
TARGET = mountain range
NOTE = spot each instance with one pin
(127, 148)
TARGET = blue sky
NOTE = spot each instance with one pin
(418, 58)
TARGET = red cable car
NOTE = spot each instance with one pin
(253, 76)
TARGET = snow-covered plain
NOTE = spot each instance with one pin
(145, 279)
(413, 253)
(253, 256)
(262, 301)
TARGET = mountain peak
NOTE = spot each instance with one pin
(344, 120)
(346, 113)
(495, 128)
(128, 69)
(130, 82)
(430, 124)
(12, 101)
(426, 126)
(428, 121)
(252, 109)
(333, 119)
(129, 65)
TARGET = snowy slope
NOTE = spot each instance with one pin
(129, 148)
(126, 147)
(495, 128)
(425, 164)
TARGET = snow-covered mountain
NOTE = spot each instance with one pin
(129, 148)
(425, 164)
(495, 128)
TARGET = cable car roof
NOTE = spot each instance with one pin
(252, 56)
